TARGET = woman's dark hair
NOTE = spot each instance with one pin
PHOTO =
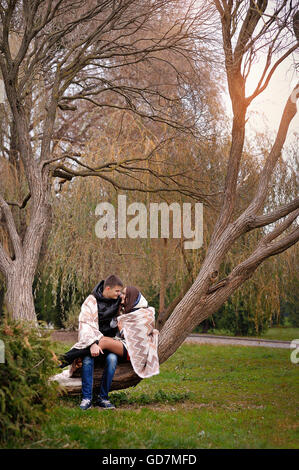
(132, 294)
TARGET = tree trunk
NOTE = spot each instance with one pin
(18, 299)
(163, 277)
(124, 377)
(164, 315)
(19, 271)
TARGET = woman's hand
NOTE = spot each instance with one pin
(95, 350)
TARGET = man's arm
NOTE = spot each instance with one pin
(88, 332)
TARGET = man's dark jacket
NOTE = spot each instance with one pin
(107, 310)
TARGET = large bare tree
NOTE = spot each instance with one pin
(247, 27)
(58, 57)
(60, 44)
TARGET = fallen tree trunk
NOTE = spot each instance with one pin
(124, 377)
(71, 385)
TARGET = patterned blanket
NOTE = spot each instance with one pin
(141, 340)
(88, 324)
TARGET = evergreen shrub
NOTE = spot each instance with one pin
(26, 394)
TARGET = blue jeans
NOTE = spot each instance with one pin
(108, 374)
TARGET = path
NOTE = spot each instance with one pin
(71, 337)
(215, 339)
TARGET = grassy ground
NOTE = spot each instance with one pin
(282, 333)
(279, 333)
(204, 397)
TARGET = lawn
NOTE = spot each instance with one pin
(205, 396)
(281, 333)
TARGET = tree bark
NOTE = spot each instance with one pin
(19, 272)
(18, 298)
(163, 277)
(124, 377)
(164, 315)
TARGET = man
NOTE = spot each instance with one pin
(95, 320)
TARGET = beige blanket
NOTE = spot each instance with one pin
(88, 324)
(139, 331)
(141, 340)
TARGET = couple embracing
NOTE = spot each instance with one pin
(115, 323)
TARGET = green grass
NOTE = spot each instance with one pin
(204, 397)
(281, 333)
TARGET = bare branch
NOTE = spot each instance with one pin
(279, 229)
(23, 204)
(265, 249)
(282, 211)
(68, 173)
(266, 174)
(247, 267)
(253, 16)
(260, 88)
(111, 165)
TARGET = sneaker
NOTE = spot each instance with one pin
(105, 404)
(85, 404)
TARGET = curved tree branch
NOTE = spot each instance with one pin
(23, 204)
(289, 112)
(282, 211)
(64, 172)
(279, 229)
(260, 88)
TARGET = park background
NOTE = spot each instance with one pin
(172, 113)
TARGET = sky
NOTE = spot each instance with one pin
(266, 110)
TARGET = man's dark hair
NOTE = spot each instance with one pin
(113, 281)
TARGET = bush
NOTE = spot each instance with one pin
(25, 393)
(290, 310)
(237, 320)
